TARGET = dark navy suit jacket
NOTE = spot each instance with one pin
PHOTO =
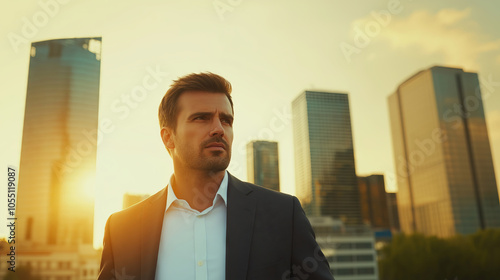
(267, 237)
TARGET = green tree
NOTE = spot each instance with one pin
(418, 257)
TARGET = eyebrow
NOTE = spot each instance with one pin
(209, 114)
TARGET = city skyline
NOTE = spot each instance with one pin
(267, 64)
(446, 182)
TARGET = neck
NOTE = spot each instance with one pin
(197, 187)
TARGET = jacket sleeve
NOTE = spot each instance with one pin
(308, 261)
(106, 271)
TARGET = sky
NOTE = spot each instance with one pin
(270, 51)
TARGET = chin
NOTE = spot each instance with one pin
(217, 165)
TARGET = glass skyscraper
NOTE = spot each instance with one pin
(58, 153)
(445, 176)
(373, 200)
(263, 164)
(325, 174)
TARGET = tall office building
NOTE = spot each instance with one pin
(392, 206)
(263, 164)
(373, 201)
(325, 174)
(58, 154)
(443, 160)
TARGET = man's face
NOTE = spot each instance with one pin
(204, 133)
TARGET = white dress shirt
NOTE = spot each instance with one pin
(193, 243)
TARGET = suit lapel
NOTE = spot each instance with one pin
(239, 228)
(151, 224)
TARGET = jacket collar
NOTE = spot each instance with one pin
(240, 219)
(151, 224)
(239, 228)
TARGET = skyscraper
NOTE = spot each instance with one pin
(373, 201)
(263, 164)
(392, 206)
(443, 160)
(325, 174)
(58, 153)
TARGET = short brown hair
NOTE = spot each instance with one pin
(209, 82)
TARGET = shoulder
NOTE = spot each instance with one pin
(265, 193)
(135, 211)
(252, 189)
(262, 195)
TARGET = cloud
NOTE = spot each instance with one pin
(450, 16)
(447, 32)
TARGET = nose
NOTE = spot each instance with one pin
(217, 128)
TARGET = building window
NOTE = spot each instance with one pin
(55, 49)
(343, 245)
(364, 258)
(363, 245)
(365, 270)
(347, 258)
(343, 271)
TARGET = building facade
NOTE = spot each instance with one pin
(446, 182)
(263, 164)
(373, 201)
(80, 264)
(392, 206)
(325, 174)
(58, 153)
(350, 250)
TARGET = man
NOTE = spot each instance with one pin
(207, 224)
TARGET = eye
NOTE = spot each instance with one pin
(225, 120)
(200, 118)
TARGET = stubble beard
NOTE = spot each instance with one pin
(214, 162)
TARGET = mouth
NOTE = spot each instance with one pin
(216, 146)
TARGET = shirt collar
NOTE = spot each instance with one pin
(222, 192)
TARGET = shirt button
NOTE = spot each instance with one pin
(200, 263)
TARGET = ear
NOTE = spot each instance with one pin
(167, 138)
